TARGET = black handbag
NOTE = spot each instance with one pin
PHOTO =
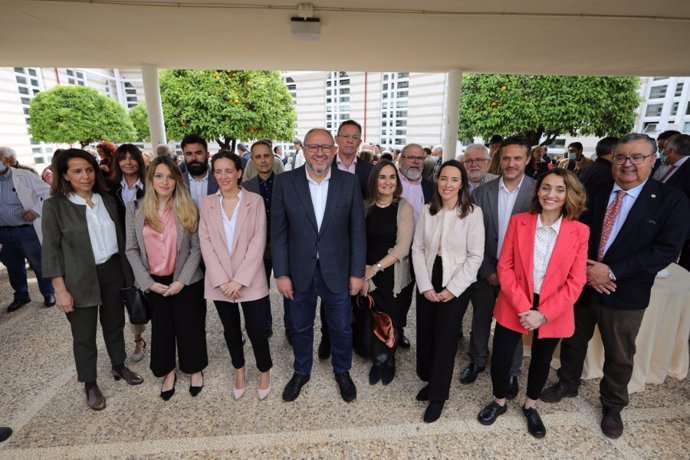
(137, 305)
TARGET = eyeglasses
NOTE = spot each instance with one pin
(325, 148)
(636, 159)
(414, 158)
(475, 161)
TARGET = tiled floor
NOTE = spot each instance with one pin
(41, 399)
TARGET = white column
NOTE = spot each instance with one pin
(451, 111)
(152, 93)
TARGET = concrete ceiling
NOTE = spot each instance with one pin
(585, 37)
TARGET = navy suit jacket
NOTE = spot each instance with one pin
(296, 239)
(427, 190)
(362, 170)
(649, 240)
(681, 180)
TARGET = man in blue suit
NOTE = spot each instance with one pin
(318, 244)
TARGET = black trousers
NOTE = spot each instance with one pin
(84, 322)
(618, 330)
(268, 315)
(505, 341)
(438, 326)
(254, 317)
(178, 322)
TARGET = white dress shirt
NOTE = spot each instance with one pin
(319, 194)
(102, 233)
(229, 223)
(544, 242)
(198, 188)
(506, 203)
(628, 202)
(130, 194)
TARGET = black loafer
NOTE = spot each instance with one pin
(5, 433)
(470, 373)
(324, 348)
(513, 388)
(49, 301)
(534, 424)
(387, 373)
(17, 304)
(558, 391)
(490, 413)
(375, 374)
(612, 423)
(423, 394)
(293, 387)
(404, 342)
(348, 390)
(433, 411)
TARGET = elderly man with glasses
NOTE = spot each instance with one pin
(476, 160)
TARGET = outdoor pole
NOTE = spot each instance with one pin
(152, 93)
(450, 116)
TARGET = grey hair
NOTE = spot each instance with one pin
(403, 153)
(437, 148)
(163, 149)
(633, 137)
(8, 151)
(472, 147)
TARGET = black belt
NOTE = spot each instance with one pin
(6, 227)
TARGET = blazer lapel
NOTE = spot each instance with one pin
(333, 184)
(492, 205)
(139, 231)
(217, 220)
(562, 250)
(302, 189)
(526, 232)
(644, 202)
(241, 222)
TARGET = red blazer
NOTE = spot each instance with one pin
(563, 283)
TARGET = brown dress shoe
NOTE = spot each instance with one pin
(612, 423)
(95, 399)
(130, 377)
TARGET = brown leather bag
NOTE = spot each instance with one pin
(383, 324)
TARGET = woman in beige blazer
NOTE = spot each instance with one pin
(447, 251)
(163, 250)
(232, 231)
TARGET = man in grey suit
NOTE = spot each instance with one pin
(197, 176)
(318, 244)
(499, 199)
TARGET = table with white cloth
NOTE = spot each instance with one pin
(662, 342)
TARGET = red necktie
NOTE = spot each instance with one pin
(609, 219)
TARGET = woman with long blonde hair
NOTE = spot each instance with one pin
(163, 250)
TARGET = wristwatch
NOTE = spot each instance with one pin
(379, 267)
(543, 319)
(612, 277)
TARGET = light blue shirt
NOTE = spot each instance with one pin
(628, 202)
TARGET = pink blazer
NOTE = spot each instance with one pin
(246, 265)
(563, 283)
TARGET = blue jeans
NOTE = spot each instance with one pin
(338, 319)
(19, 243)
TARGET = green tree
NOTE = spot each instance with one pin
(227, 105)
(69, 114)
(547, 106)
(140, 120)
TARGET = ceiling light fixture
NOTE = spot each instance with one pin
(305, 26)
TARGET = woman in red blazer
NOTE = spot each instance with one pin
(542, 270)
(232, 235)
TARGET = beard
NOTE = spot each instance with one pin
(412, 173)
(197, 168)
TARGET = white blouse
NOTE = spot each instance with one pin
(101, 228)
(544, 242)
(229, 223)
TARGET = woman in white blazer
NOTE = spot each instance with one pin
(447, 251)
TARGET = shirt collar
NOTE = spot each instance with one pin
(137, 184)
(325, 179)
(76, 199)
(404, 178)
(203, 179)
(270, 178)
(555, 226)
(680, 162)
(502, 185)
(338, 161)
(633, 192)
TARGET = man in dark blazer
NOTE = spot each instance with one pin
(599, 172)
(677, 153)
(499, 199)
(198, 177)
(637, 227)
(318, 244)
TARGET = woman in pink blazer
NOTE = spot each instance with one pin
(542, 270)
(232, 234)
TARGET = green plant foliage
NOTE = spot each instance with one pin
(70, 114)
(227, 105)
(547, 106)
(140, 120)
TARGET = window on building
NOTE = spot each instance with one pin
(649, 128)
(658, 92)
(674, 108)
(686, 127)
(28, 85)
(679, 89)
(75, 77)
(292, 88)
(654, 110)
(337, 100)
(659, 78)
(394, 91)
(687, 109)
(131, 95)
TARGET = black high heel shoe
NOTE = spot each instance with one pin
(196, 390)
(167, 394)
